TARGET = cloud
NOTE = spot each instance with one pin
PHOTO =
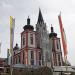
(6, 4)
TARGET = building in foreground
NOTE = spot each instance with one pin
(38, 48)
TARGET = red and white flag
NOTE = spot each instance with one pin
(63, 36)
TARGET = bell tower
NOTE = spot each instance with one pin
(55, 46)
(29, 51)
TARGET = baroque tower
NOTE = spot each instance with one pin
(30, 55)
(55, 47)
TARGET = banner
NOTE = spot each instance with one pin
(63, 36)
(12, 26)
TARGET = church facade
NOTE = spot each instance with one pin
(38, 48)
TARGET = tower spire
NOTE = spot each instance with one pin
(40, 18)
(52, 30)
(52, 34)
(28, 21)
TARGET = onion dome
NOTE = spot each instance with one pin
(16, 47)
(52, 34)
(28, 26)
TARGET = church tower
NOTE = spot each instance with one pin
(42, 38)
(16, 55)
(30, 54)
(55, 47)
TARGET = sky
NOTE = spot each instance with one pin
(21, 9)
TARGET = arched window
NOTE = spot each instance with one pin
(32, 55)
(23, 41)
(19, 58)
(39, 55)
(31, 38)
(39, 58)
(32, 58)
(23, 58)
(57, 45)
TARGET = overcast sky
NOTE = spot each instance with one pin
(21, 9)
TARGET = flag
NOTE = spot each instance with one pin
(12, 26)
(63, 36)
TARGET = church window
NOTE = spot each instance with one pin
(19, 58)
(57, 45)
(39, 58)
(32, 55)
(59, 60)
(39, 62)
(59, 63)
(32, 58)
(32, 62)
(16, 60)
(23, 41)
(39, 55)
(23, 58)
(58, 57)
(31, 38)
